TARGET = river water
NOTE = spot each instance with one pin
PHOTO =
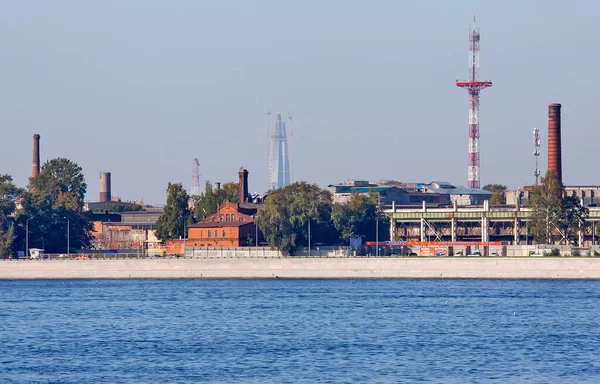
(299, 331)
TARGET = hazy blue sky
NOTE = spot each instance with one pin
(140, 88)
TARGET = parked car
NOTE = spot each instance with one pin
(475, 253)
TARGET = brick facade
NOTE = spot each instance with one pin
(231, 226)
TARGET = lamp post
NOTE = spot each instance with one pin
(377, 231)
(27, 237)
(256, 236)
(309, 236)
(184, 235)
(68, 238)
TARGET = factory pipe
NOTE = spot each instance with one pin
(105, 193)
(35, 169)
(554, 141)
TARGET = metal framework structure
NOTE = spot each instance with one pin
(484, 223)
(196, 179)
(473, 86)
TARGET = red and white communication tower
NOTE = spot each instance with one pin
(473, 86)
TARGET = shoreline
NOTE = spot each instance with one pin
(578, 268)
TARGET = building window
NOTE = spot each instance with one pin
(216, 233)
(227, 219)
(233, 217)
(209, 234)
(222, 217)
(224, 234)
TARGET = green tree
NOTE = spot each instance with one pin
(176, 215)
(229, 192)
(286, 212)
(8, 196)
(546, 205)
(497, 191)
(571, 219)
(358, 218)
(207, 203)
(61, 179)
(54, 206)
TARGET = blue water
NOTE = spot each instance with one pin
(299, 331)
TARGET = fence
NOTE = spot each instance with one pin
(316, 252)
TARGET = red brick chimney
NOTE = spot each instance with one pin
(554, 141)
(35, 169)
(243, 174)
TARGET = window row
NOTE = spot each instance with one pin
(216, 232)
(227, 217)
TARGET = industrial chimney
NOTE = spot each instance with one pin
(243, 185)
(554, 143)
(105, 187)
(35, 169)
(217, 187)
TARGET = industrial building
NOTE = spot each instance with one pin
(507, 224)
(434, 194)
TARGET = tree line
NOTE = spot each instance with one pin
(53, 204)
(41, 215)
(286, 216)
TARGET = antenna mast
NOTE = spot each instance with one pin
(473, 86)
(536, 154)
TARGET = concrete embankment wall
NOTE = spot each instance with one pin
(515, 268)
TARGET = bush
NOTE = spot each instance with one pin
(596, 253)
(554, 252)
(575, 252)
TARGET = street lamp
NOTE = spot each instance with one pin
(309, 236)
(377, 231)
(68, 238)
(27, 237)
(256, 235)
(184, 234)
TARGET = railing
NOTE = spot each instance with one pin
(87, 256)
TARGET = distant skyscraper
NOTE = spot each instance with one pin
(279, 161)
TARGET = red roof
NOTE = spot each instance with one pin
(220, 224)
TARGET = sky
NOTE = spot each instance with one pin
(140, 88)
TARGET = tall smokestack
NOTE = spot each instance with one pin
(105, 187)
(554, 142)
(35, 169)
(243, 185)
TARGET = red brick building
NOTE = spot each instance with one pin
(232, 225)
